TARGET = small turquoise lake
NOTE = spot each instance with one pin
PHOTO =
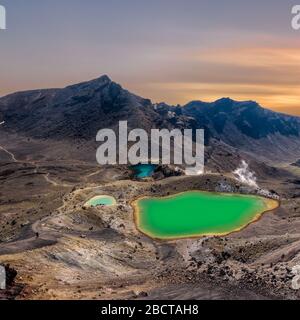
(102, 200)
(142, 171)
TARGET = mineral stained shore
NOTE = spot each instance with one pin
(98, 253)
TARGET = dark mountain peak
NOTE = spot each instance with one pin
(92, 84)
(250, 102)
(226, 100)
(234, 103)
(80, 110)
(104, 77)
(76, 111)
(232, 120)
(196, 104)
(223, 104)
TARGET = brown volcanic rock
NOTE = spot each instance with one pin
(75, 112)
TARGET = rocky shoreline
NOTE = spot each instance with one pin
(98, 253)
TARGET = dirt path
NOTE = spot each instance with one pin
(56, 184)
(9, 153)
(35, 164)
(32, 242)
(37, 238)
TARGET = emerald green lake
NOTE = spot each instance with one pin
(101, 201)
(196, 213)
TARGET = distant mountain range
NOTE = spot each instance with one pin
(79, 111)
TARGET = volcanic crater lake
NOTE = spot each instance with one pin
(198, 213)
(102, 200)
(142, 171)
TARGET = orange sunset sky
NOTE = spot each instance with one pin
(172, 51)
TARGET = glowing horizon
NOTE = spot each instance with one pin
(196, 50)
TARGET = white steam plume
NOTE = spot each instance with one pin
(245, 175)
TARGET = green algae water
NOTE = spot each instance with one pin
(195, 213)
(101, 201)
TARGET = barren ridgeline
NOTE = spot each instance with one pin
(63, 248)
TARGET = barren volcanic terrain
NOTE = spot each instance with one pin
(62, 249)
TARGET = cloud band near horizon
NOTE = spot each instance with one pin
(171, 51)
